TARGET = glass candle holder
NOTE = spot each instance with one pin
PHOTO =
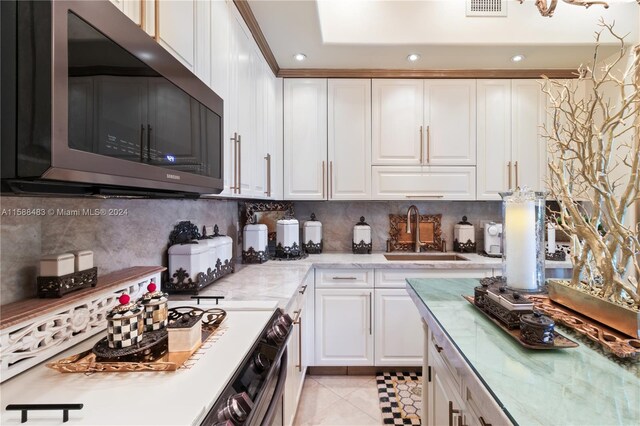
(523, 254)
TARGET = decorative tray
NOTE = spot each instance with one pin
(87, 361)
(618, 344)
(559, 341)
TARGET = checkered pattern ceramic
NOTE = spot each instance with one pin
(155, 316)
(125, 329)
(400, 396)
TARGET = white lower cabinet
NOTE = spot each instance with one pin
(344, 326)
(398, 329)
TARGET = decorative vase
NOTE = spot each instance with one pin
(618, 317)
(523, 253)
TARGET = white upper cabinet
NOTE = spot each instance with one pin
(349, 139)
(449, 122)
(305, 139)
(176, 29)
(511, 150)
(397, 133)
(494, 138)
(528, 114)
(423, 182)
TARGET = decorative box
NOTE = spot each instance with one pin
(57, 265)
(255, 243)
(192, 258)
(537, 329)
(288, 238)
(464, 237)
(185, 333)
(83, 260)
(362, 237)
(125, 324)
(312, 235)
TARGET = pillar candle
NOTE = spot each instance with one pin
(520, 244)
(551, 238)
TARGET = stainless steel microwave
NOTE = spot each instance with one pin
(92, 105)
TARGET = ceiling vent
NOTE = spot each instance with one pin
(486, 7)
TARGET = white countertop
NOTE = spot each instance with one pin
(278, 281)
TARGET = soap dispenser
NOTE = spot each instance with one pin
(312, 235)
(361, 237)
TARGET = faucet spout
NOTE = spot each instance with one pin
(416, 243)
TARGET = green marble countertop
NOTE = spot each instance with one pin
(555, 387)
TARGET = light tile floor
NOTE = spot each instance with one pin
(339, 400)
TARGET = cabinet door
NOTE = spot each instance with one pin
(494, 138)
(528, 114)
(398, 327)
(397, 132)
(176, 30)
(402, 183)
(305, 139)
(275, 144)
(343, 328)
(450, 120)
(259, 144)
(349, 139)
(442, 402)
(202, 41)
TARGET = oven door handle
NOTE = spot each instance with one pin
(282, 378)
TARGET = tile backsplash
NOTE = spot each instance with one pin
(121, 233)
(339, 217)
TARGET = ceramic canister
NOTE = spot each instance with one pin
(57, 265)
(255, 235)
(464, 232)
(125, 325)
(224, 246)
(193, 258)
(362, 232)
(155, 307)
(312, 231)
(287, 232)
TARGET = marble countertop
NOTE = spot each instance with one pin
(278, 280)
(562, 387)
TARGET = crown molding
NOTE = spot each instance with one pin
(383, 73)
(250, 19)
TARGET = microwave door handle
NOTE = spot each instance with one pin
(275, 400)
(149, 142)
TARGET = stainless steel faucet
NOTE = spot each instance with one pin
(416, 243)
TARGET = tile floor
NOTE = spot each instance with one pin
(339, 400)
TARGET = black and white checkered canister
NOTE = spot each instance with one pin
(125, 327)
(156, 311)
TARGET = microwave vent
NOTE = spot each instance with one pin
(486, 7)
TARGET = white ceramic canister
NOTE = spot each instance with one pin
(464, 232)
(288, 232)
(57, 265)
(255, 235)
(212, 253)
(223, 245)
(193, 258)
(84, 260)
(362, 232)
(312, 231)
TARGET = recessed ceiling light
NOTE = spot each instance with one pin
(517, 58)
(413, 57)
(300, 57)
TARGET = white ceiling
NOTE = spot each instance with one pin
(381, 33)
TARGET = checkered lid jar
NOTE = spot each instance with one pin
(155, 307)
(125, 324)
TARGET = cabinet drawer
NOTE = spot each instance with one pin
(429, 182)
(344, 278)
(396, 278)
(442, 355)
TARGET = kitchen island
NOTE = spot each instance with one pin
(477, 373)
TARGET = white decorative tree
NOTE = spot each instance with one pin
(594, 145)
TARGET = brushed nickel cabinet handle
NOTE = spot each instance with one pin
(323, 180)
(452, 411)
(239, 143)
(156, 14)
(234, 140)
(517, 175)
(330, 179)
(299, 342)
(483, 421)
(343, 278)
(268, 191)
(296, 316)
(303, 289)
(142, 10)
(370, 315)
(421, 146)
(438, 348)
(509, 173)
(142, 143)
(428, 144)
(423, 196)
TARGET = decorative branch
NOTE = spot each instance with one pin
(547, 8)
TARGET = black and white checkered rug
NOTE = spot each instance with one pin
(400, 396)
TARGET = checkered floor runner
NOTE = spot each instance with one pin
(400, 396)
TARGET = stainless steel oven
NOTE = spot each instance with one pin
(254, 395)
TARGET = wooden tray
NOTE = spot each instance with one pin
(559, 341)
(618, 344)
(85, 362)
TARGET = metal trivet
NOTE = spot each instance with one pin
(559, 255)
(361, 247)
(152, 346)
(312, 248)
(468, 247)
(253, 256)
(294, 252)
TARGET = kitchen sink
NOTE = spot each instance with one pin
(426, 256)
